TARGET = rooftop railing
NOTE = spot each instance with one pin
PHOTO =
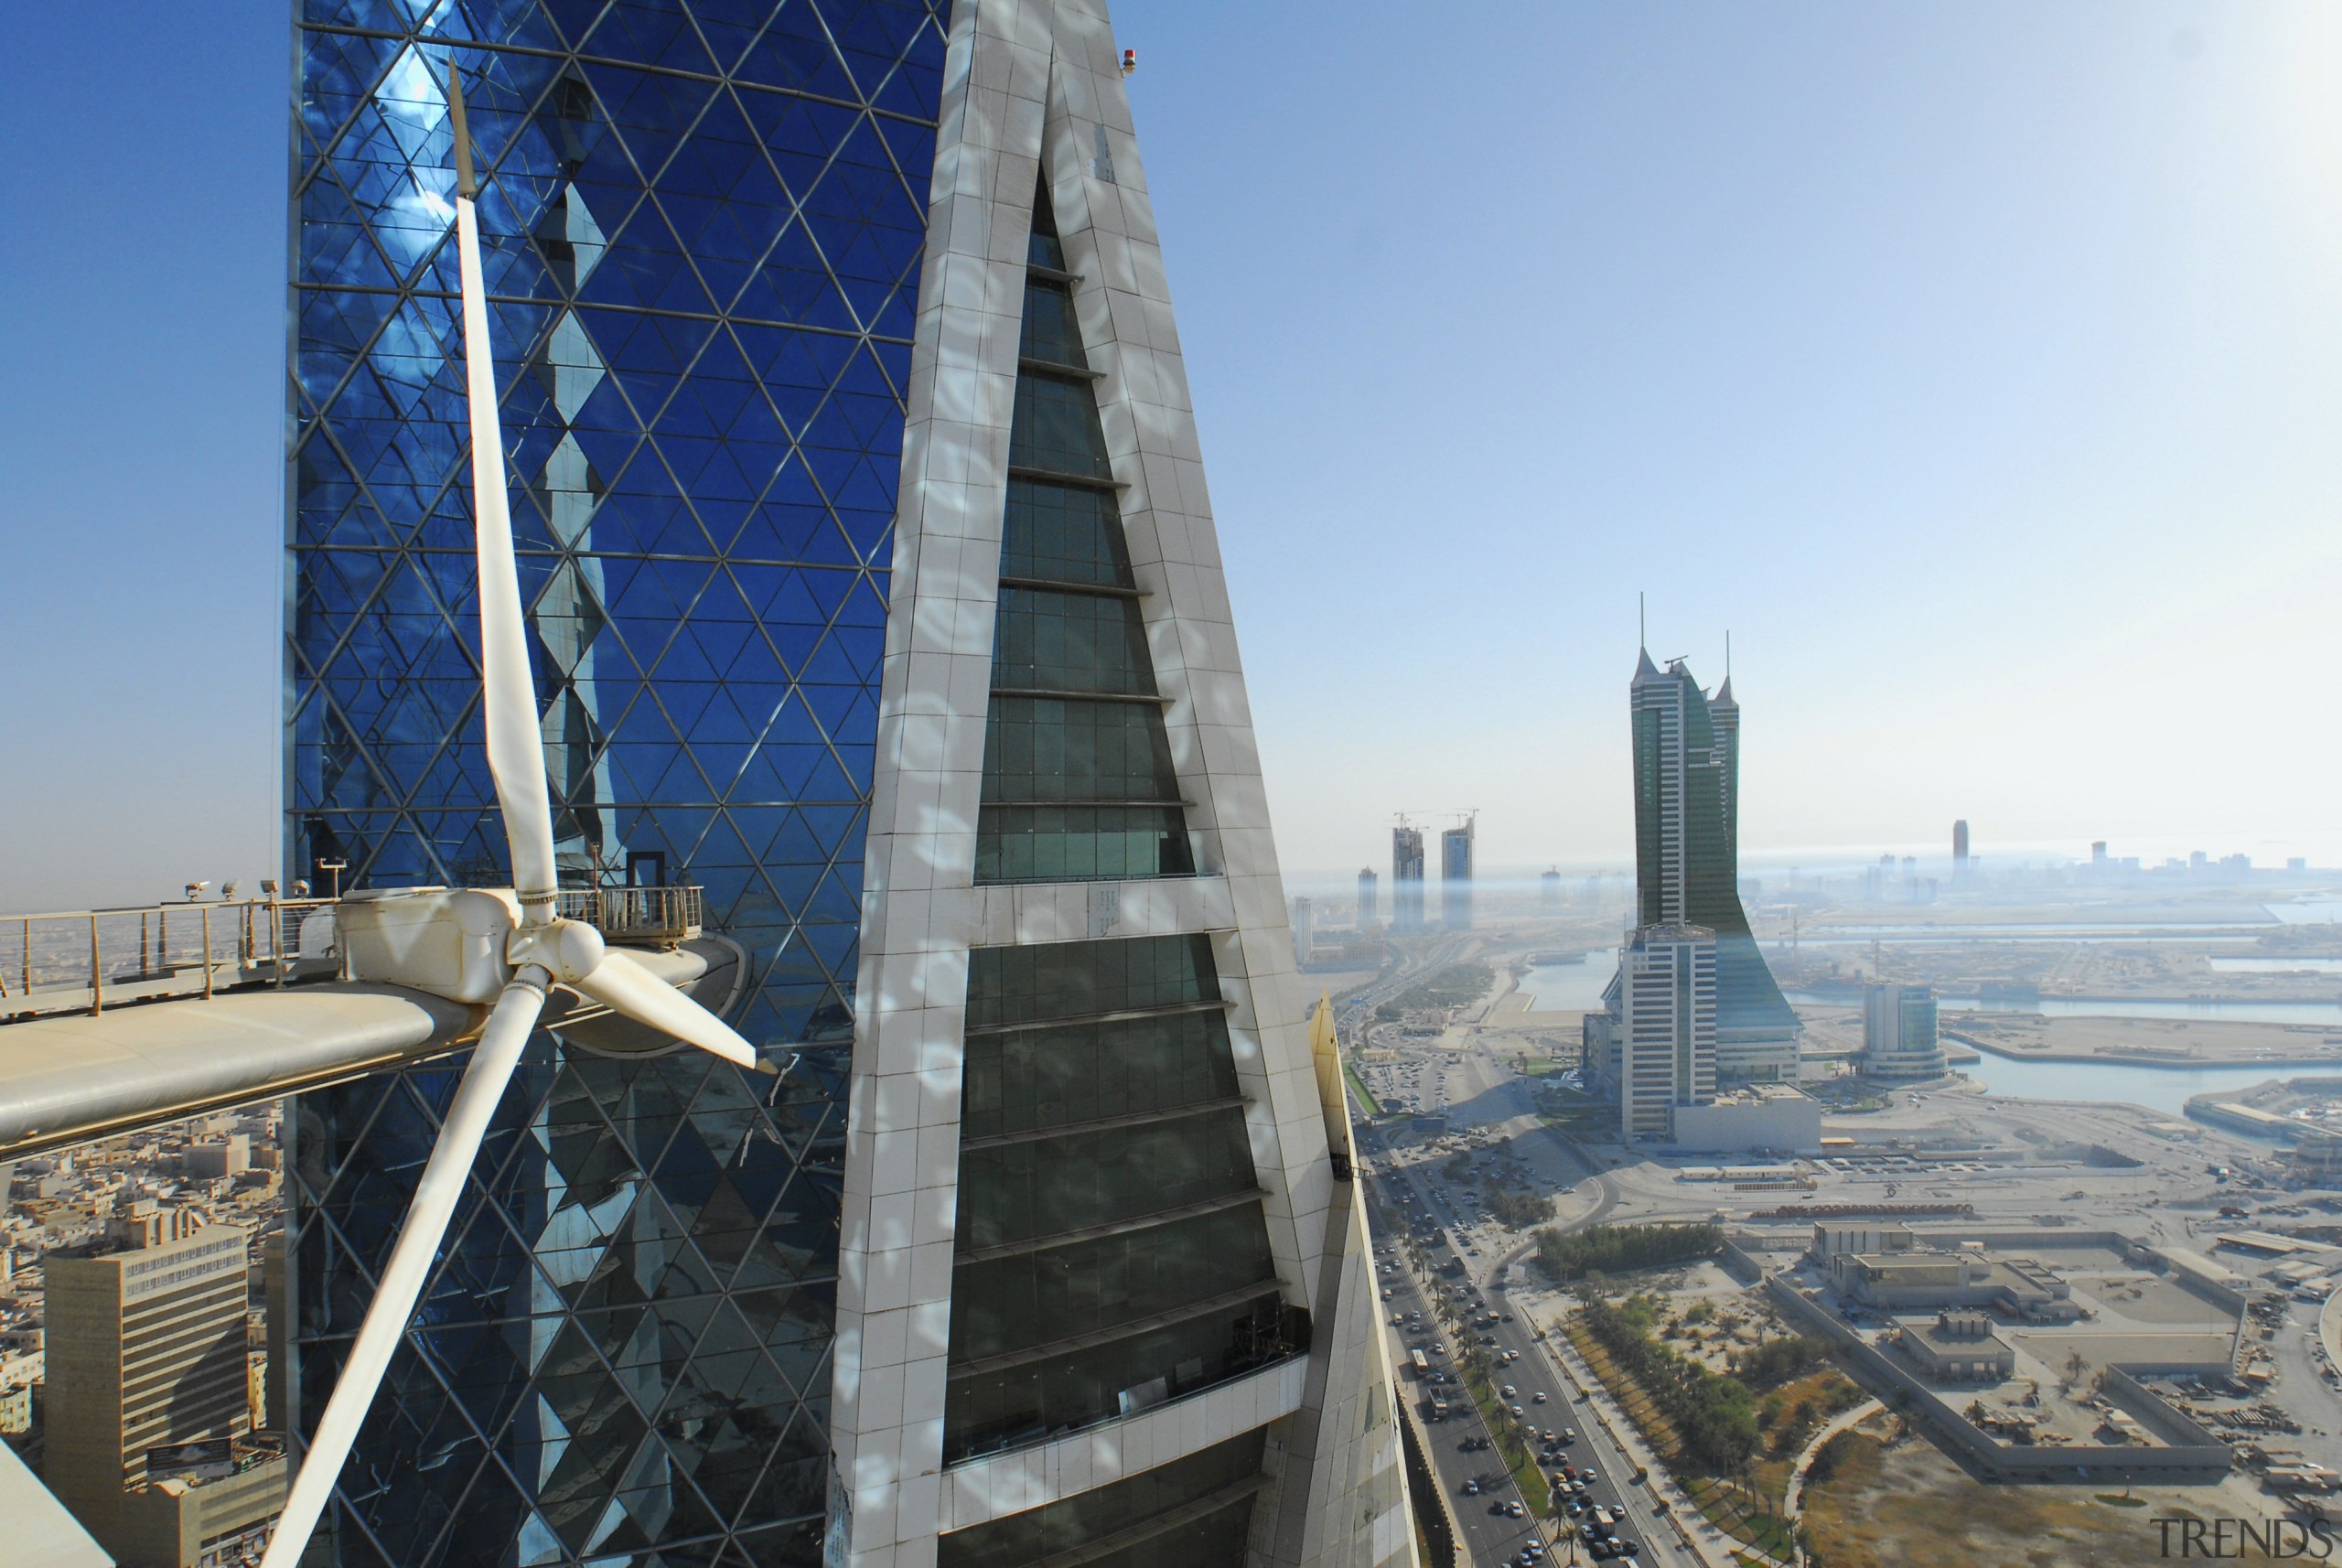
(86, 961)
(637, 916)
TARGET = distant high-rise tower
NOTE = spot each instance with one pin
(1406, 879)
(1366, 882)
(1687, 839)
(1667, 1029)
(1304, 932)
(1456, 875)
(1900, 1035)
(1549, 890)
(1959, 846)
(147, 1381)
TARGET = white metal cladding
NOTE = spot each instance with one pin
(1033, 94)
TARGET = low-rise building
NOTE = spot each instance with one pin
(1920, 1280)
(1958, 1347)
(1760, 1116)
(1829, 1240)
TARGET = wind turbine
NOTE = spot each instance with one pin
(539, 948)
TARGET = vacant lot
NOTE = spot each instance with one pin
(1907, 1506)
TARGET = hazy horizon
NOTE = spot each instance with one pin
(1977, 368)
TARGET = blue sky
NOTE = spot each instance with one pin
(1979, 366)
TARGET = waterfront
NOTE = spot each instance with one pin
(1571, 987)
(2157, 1088)
(2230, 1011)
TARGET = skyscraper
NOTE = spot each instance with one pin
(1960, 847)
(1366, 899)
(1456, 875)
(1549, 890)
(1667, 1027)
(146, 1382)
(880, 617)
(1304, 932)
(1687, 842)
(1899, 1034)
(1406, 879)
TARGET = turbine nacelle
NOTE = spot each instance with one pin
(464, 944)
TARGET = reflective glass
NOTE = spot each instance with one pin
(1029, 1079)
(1043, 250)
(702, 226)
(1050, 333)
(1030, 1300)
(1063, 533)
(1215, 1479)
(1054, 427)
(989, 1410)
(1046, 640)
(1051, 749)
(1013, 1193)
(1075, 980)
(1079, 843)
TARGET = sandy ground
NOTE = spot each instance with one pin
(1907, 1506)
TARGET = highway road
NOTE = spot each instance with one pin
(1490, 1536)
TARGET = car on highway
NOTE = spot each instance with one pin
(1472, 1487)
(1508, 1391)
(1515, 1510)
(1537, 1398)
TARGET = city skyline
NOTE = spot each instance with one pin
(780, 779)
(2150, 563)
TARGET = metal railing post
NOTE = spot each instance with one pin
(97, 972)
(207, 952)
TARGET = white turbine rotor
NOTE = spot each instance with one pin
(542, 948)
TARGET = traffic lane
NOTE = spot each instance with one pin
(1492, 1537)
(1535, 1370)
(1617, 1487)
(1611, 1487)
(1458, 1465)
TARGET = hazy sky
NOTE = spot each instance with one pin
(1979, 366)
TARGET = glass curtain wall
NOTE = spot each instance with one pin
(702, 225)
(1191, 1513)
(1112, 1249)
(1674, 728)
(1077, 778)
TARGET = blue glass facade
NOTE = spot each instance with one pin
(703, 222)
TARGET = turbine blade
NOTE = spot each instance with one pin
(515, 754)
(628, 989)
(395, 1293)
